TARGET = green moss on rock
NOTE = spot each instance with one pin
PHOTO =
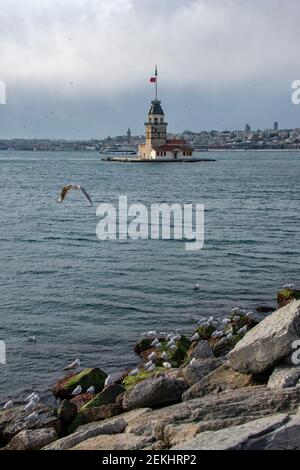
(178, 356)
(86, 378)
(205, 331)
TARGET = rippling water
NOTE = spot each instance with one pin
(90, 299)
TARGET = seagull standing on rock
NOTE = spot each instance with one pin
(167, 365)
(196, 337)
(152, 356)
(77, 390)
(32, 417)
(91, 389)
(133, 372)
(8, 405)
(30, 407)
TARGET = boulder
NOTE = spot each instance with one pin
(114, 442)
(269, 342)
(97, 413)
(153, 392)
(284, 376)
(80, 400)
(86, 378)
(199, 368)
(66, 412)
(32, 439)
(223, 378)
(285, 296)
(286, 437)
(265, 309)
(200, 350)
(13, 421)
(233, 438)
(218, 411)
(106, 397)
(87, 431)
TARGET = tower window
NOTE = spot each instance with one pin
(155, 120)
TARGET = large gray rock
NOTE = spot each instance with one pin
(32, 439)
(88, 431)
(233, 438)
(199, 368)
(154, 392)
(115, 442)
(201, 350)
(13, 421)
(269, 342)
(287, 437)
(219, 411)
(284, 376)
(223, 378)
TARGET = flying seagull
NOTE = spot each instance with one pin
(68, 188)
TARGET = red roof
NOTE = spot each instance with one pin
(174, 144)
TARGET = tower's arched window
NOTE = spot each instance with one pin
(155, 120)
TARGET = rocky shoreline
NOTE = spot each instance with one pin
(231, 385)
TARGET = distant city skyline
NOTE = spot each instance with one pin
(80, 69)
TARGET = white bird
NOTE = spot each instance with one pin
(173, 347)
(68, 188)
(249, 314)
(30, 406)
(217, 334)
(229, 336)
(170, 343)
(236, 318)
(32, 417)
(210, 321)
(193, 361)
(242, 330)
(108, 381)
(226, 321)
(195, 337)
(158, 346)
(162, 334)
(77, 390)
(33, 397)
(152, 356)
(133, 372)
(32, 339)
(152, 368)
(164, 355)
(148, 364)
(196, 287)
(235, 310)
(91, 389)
(288, 285)
(167, 365)
(154, 342)
(8, 405)
(73, 365)
(152, 333)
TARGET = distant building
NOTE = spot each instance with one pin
(275, 126)
(129, 135)
(247, 129)
(157, 146)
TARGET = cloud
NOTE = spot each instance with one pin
(83, 47)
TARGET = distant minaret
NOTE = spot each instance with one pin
(129, 135)
(247, 129)
(156, 128)
(275, 126)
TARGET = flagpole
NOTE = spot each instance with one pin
(156, 82)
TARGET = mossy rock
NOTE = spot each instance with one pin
(225, 345)
(131, 381)
(79, 420)
(86, 378)
(143, 345)
(205, 331)
(106, 397)
(178, 356)
(285, 296)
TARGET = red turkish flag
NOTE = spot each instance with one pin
(152, 79)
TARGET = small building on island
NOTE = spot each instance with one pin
(157, 145)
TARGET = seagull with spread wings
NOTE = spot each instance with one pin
(69, 187)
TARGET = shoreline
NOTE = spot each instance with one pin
(220, 360)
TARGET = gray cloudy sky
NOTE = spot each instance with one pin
(81, 68)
